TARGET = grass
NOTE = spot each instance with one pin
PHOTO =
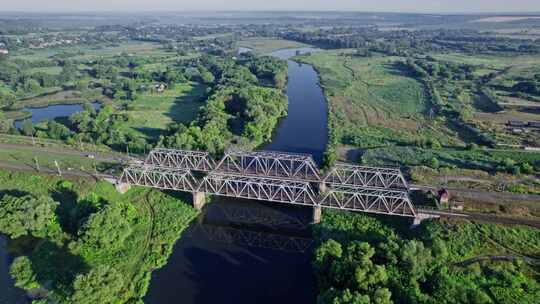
(151, 113)
(25, 158)
(94, 51)
(265, 46)
(374, 101)
(159, 221)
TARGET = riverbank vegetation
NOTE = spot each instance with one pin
(418, 112)
(78, 241)
(363, 259)
(155, 95)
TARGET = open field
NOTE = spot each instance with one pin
(89, 52)
(151, 113)
(374, 101)
(265, 46)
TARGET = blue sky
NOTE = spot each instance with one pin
(357, 5)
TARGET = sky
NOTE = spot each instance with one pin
(440, 6)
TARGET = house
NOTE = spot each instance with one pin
(457, 206)
(443, 196)
(160, 87)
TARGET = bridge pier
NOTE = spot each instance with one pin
(317, 215)
(122, 187)
(416, 222)
(199, 200)
(322, 187)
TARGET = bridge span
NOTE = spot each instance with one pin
(279, 177)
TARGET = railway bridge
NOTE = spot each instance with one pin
(278, 177)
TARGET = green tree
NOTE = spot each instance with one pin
(28, 215)
(28, 128)
(22, 272)
(102, 284)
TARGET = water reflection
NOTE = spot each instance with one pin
(52, 112)
(251, 224)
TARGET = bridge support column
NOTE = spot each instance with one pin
(322, 187)
(199, 200)
(122, 187)
(317, 214)
(416, 222)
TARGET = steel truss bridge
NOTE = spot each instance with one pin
(275, 177)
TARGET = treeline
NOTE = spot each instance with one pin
(406, 43)
(435, 74)
(239, 106)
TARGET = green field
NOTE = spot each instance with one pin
(90, 52)
(265, 46)
(151, 113)
(374, 102)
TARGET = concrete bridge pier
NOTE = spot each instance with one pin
(317, 214)
(199, 200)
(122, 187)
(322, 187)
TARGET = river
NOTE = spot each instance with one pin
(242, 251)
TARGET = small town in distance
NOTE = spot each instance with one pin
(256, 152)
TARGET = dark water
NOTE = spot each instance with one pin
(304, 130)
(9, 294)
(52, 112)
(243, 251)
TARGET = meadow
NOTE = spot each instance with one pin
(262, 46)
(152, 112)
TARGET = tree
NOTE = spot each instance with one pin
(28, 128)
(108, 228)
(57, 131)
(102, 284)
(28, 215)
(23, 274)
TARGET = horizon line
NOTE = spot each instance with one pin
(428, 12)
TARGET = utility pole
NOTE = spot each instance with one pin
(58, 168)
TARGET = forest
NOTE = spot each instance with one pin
(363, 259)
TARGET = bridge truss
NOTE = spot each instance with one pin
(366, 176)
(276, 177)
(159, 177)
(371, 200)
(259, 188)
(271, 164)
(189, 160)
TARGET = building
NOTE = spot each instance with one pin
(160, 87)
(443, 196)
(517, 123)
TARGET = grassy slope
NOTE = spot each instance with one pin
(160, 219)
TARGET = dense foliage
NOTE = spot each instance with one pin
(361, 259)
(88, 243)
